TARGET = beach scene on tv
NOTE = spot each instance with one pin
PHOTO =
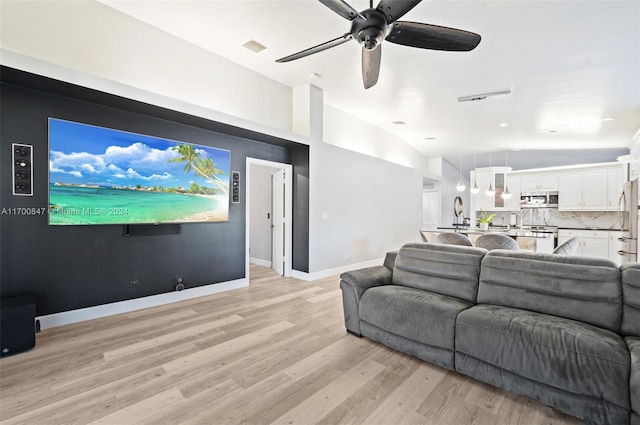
(99, 175)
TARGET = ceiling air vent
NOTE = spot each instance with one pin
(254, 46)
(482, 96)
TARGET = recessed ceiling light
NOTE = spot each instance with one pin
(504, 124)
(254, 46)
(429, 138)
(398, 122)
(552, 131)
(315, 75)
(608, 119)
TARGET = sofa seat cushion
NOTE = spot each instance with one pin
(418, 315)
(634, 380)
(566, 354)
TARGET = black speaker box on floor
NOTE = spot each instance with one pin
(17, 325)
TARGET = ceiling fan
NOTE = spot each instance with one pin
(372, 26)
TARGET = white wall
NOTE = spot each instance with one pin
(346, 131)
(448, 193)
(362, 207)
(260, 221)
(95, 39)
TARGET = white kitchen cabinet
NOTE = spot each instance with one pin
(594, 190)
(537, 182)
(482, 178)
(592, 243)
(513, 204)
(614, 187)
(590, 189)
(498, 177)
(570, 192)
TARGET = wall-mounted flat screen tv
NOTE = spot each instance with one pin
(100, 175)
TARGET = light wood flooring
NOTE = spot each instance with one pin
(273, 353)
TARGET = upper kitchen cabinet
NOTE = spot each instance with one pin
(590, 189)
(615, 180)
(499, 178)
(514, 183)
(536, 182)
(480, 201)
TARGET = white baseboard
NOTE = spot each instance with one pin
(338, 270)
(260, 262)
(89, 313)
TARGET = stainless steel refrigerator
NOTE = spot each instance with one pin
(628, 219)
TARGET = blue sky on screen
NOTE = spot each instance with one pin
(86, 154)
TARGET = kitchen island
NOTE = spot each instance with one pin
(528, 239)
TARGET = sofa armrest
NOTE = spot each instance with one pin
(353, 285)
(363, 279)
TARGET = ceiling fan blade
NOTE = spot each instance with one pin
(342, 8)
(434, 37)
(371, 66)
(318, 48)
(396, 9)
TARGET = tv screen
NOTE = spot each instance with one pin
(100, 175)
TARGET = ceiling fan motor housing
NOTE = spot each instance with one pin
(370, 31)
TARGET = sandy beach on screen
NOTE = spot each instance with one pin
(219, 214)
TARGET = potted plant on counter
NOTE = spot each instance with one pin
(484, 219)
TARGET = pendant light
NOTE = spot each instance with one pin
(475, 189)
(506, 194)
(491, 191)
(460, 186)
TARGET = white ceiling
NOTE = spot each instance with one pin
(569, 64)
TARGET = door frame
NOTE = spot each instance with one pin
(288, 211)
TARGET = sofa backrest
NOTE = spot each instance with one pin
(631, 299)
(445, 269)
(581, 288)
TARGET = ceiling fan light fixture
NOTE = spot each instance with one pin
(372, 26)
(370, 37)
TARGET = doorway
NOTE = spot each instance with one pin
(269, 195)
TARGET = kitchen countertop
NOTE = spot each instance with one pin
(514, 232)
(590, 228)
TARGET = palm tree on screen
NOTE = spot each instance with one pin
(205, 168)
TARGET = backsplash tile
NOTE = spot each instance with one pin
(569, 219)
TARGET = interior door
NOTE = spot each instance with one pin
(277, 224)
(430, 210)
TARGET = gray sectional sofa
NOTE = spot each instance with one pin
(567, 328)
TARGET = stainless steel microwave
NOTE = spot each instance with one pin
(539, 200)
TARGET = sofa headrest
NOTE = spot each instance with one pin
(631, 298)
(445, 269)
(580, 288)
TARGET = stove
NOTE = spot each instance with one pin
(542, 229)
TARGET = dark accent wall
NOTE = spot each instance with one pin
(71, 267)
(300, 225)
